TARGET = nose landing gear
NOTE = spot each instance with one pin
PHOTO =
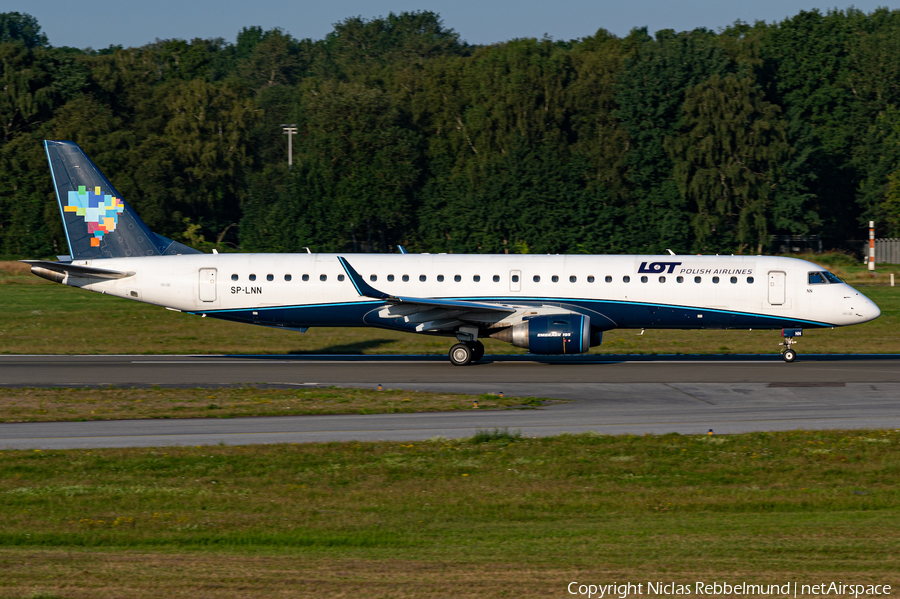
(787, 354)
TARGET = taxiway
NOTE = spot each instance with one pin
(611, 395)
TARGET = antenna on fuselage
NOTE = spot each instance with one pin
(307, 249)
(671, 253)
(402, 249)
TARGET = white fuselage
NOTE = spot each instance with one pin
(754, 285)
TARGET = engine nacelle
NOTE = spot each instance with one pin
(553, 334)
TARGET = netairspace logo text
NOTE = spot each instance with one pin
(664, 589)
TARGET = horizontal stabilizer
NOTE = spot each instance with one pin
(57, 271)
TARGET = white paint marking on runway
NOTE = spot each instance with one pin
(261, 362)
(584, 363)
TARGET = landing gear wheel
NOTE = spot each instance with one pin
(461, 354)
(789, 355)
(477, 351)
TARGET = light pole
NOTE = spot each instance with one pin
(290, 131)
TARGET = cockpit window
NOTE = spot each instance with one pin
(816, 278)
(822, 278)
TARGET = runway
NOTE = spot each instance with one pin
(493, 370)
(623, 394)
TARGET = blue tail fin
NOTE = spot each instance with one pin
(98, 222)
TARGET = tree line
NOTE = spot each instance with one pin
(696, 141)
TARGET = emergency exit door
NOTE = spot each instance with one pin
(207, 284)
(776, 287)
(515, 280)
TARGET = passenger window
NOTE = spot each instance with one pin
(626, 279)
(591, 279)
(715, 279)
(270, 277)
(252, 277)
(340, 277)
(457, 278)
(750, 280)
(496, 278)
(234, 277)
(537, 278)
(405, 278)
(305, 277)
(734, 280)
(323, 277)
(697, 279)
(816, 278)
(422, 278)
(287, 277)
(572, 279)
(644, 279)
(373, 278)
(680, 279)
(555, 279)
(515, 278)
(662, 279)
(608, 279)
(390, 278)
(476, 278)
(440, 278)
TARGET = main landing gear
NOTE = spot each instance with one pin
(787, 354)
(467, 352)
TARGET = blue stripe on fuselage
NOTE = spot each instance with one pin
(623, 314)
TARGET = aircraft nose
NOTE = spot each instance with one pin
(872, 310)
(861, 308)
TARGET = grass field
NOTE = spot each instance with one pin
(492, 516)
(40, 317)
(47, 405)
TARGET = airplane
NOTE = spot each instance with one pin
(547, 304)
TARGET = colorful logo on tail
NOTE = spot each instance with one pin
(100, 211)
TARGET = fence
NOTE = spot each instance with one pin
(795, 244)
(887, 251)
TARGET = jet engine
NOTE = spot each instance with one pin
(552, 334)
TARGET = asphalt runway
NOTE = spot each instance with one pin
(326, 369)
(611, 395)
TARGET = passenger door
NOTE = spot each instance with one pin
(776, 287)
(207, 284)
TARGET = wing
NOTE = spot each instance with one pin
(429, 314)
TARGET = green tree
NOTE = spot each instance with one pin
(274, 60)
(727, 161)
(807, 68)
(360, 49)
(368, 160)
(25, 90)
(208, 131)
(650, 91)
(887, 216)
(890, 208)
(22, 28)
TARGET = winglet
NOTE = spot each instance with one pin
(362, 287)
